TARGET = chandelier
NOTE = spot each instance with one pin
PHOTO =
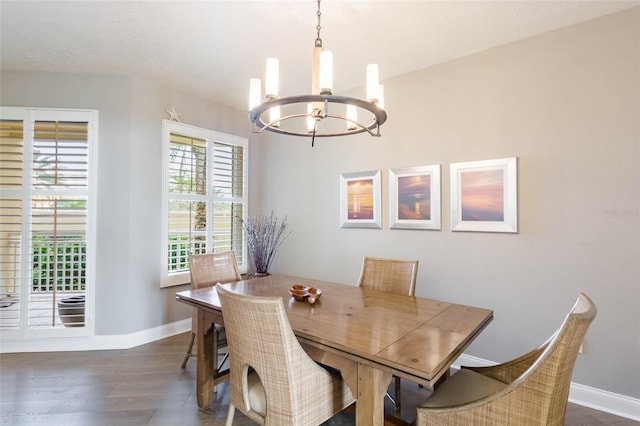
(320, 113)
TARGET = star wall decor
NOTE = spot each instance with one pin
(173, 115)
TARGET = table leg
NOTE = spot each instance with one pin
(348, 368)
(205, 367)
(372, 388)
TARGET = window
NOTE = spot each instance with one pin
(46, 179)
(205, 195)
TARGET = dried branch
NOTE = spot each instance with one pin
(264, 238)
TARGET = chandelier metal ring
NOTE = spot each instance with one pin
(379, 116)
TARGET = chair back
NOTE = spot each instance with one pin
(390, 275)
(211, 268)
(207, 270)
(260, 338)
(551, 373)
(535, 386)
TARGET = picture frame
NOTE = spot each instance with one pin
(414, 198)
(484, 195)
(360, 200)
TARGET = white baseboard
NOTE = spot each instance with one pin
(603, 400)
(598, 399)
(95, 343)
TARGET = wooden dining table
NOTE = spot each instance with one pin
(370, 336)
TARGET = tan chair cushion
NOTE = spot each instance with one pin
(463, 387)
(257, 396)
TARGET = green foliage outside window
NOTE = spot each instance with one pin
(180, 246)
(61, 264)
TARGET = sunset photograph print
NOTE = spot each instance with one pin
(360, 199)
(414, 197)
(482, 195)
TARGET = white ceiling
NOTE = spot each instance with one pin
(213, 47)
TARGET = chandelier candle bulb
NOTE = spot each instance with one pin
(311, 122)
(352, 117)
(373, 82)
(380, 102)
(315, 83)
(255, 89)
(326, 72)
(274, 116)
(315, 70)
(271, 79)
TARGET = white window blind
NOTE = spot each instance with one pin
(11, 153)
(60, 154)
(45, 218)
(205, 197)
(187, 200)
(59, 226)
(11, 176)
(229, 200)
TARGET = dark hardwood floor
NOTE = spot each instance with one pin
(146, 386)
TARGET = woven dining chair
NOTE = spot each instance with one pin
(273, 381)
(206, 271)
(394, 276)
(531, 390)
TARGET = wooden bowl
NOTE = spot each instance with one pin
(299, 292)
(313, 295)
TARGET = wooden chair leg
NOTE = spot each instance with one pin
(397, 395)
(189, 349)
(230, 414)
(215, 359)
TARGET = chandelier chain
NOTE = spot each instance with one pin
(318, 27)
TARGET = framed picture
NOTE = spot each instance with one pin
(484, 196)
(414, 198)
(360, 200)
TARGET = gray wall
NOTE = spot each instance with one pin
(128, 270)
(566, 103)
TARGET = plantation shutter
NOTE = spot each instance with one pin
(11, 174)
(205, 197)
(228, 186)
(44, 219)
(187, 200)
(60, 155)
(60, 176)
(11, 153)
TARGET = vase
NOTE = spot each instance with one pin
(71, 311)
(261, 274)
